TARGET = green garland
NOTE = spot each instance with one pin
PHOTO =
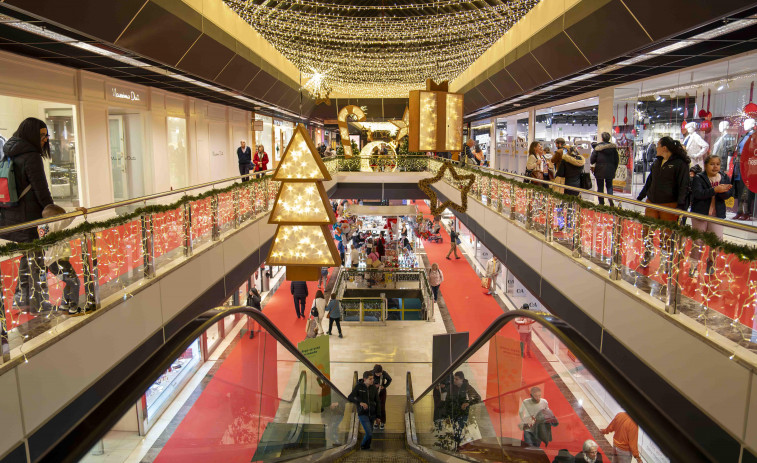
(743, 253)
(90, 227)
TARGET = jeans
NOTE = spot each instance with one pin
(365, 421)
(299, 305)
(603, 183)
(621, 456)
(31, 290)
(66, 273)
(435, 290)
(531, 439)
(243, 170)
(338, 324)
(382, 406)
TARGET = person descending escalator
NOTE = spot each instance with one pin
(365, 397)
(382, 380)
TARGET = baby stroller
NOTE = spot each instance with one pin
(436, 236)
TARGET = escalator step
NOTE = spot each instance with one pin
(389, 448)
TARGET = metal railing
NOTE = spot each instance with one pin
(710, 280)
(93, 261)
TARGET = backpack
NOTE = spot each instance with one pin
(9, 196)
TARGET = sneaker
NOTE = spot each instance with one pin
(340, 335)
(488, 293)
(381, 426)
(329, 333)
(375, 425)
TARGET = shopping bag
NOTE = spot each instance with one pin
(484, 282)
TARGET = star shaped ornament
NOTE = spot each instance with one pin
(436, 208)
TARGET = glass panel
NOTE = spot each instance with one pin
(119, 257)
(507, 402)
(168, 240)
(177, 152)
(202, 221)
(226, 211)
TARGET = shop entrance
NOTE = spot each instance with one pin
(126, 135)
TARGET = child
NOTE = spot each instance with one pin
(57, 259)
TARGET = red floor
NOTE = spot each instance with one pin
(473, 311)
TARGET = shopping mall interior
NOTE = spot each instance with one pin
(378, 230)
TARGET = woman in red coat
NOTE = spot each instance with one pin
(260, 159)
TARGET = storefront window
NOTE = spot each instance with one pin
(178, 159)
(131, 171)
(283, 131)
(160, 394)
(63, 176)
(265, 137)
(212, 337)
(704, 108)
(575, 122)
(482, 137)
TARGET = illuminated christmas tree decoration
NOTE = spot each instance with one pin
(302, 241)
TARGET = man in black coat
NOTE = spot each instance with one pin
(300, 293)
(244, 154)
(365, 397)
(604, 163)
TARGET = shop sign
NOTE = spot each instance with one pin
(128, 95)
(217, 153)
(748, 163)
(257, 125)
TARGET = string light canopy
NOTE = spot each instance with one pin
(381, 48)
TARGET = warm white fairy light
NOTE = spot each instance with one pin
(454, 137)
(300, 202)
(301, 245)
(427, 132)
(387, 48)
(297, 162)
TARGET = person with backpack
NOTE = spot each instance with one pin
(334, 309)
(365, 397)
(25, 195)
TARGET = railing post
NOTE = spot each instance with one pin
(90, 271)
(529, 209)
(148, 245)
(672, 264)
(576, 230)
(215, 227)
(513, 198)
(616, 260)
(187, 225)
(235, 198)
(549, 219)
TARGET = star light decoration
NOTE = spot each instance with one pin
(302, 242)
(401, 43)
(402, 125)
(436, 208)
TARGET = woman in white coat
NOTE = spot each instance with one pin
(320, 304)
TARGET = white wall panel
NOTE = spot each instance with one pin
(10, 411)
(704, 374)
(496, 225)
(583, 287)
(95, 154)
(525, 246)
(56, 375)
(237, 247)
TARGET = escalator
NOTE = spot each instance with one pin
(504, 400)
(273, 404)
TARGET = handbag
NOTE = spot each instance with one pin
(586, 180)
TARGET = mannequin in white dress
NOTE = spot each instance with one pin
(695, 145)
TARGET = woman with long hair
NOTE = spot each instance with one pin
(537, 165)
(26, 149)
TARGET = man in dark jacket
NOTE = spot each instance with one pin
(299, 291)
(604, 163)
(244, 154)
(571, 166)
(460, 398)
(365, 397)
(28, 145)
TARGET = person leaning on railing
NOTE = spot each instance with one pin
(537, 165)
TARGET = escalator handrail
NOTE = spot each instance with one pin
(77, 441)
(664, 431)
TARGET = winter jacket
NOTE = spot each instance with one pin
(244, 155)
(262, 160)
(320, 306)
(299, 288)
(334, 309)
(605, 160)
(29, 170)
(492, 268)
(696, 148)
(667, 183)
(435, 278)
(254, 301)
(571, 167)
(702, 193)
(367, 395)
(542, 428)
(459, 395)
(384, 380)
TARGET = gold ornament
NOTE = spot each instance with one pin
(436, 208)
(344, 130)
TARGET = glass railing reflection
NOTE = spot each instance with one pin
(509, 402)
(259, 403)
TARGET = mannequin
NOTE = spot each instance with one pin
(725, 145)
(745, 197)
(695, 145)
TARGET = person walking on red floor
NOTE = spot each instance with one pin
(334, 309)
(454, 240)
(435, 279)
(524, 326)
(625, 440)
(382, 380)
(492, 270)
(299, 291)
